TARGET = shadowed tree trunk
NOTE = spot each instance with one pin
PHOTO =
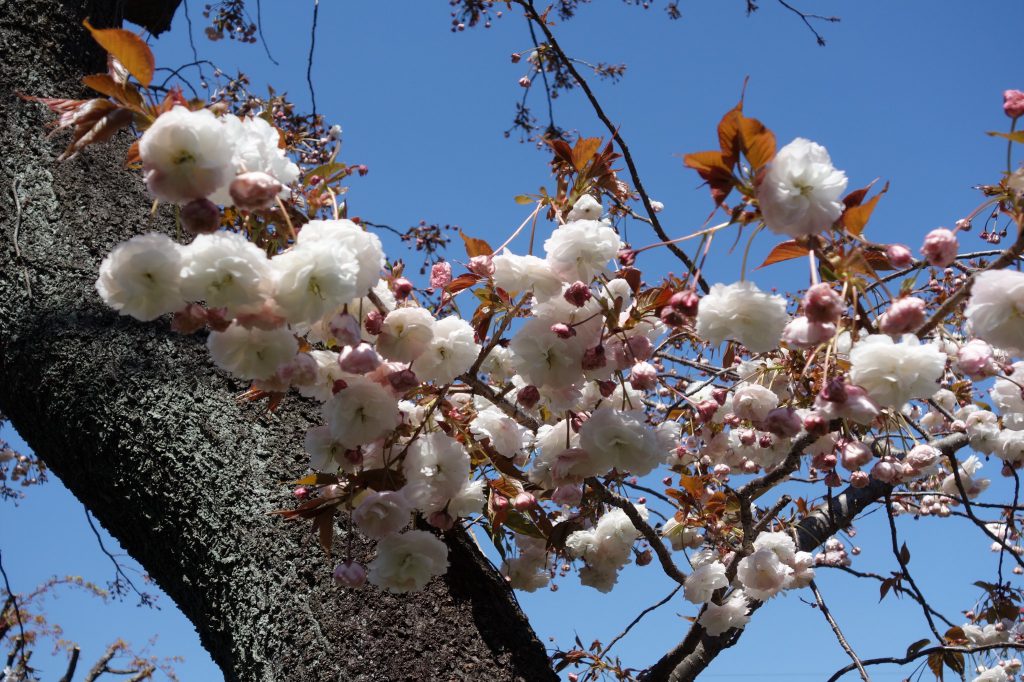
(139, 425)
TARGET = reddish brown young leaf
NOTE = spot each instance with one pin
(856, 217)
(126, 95)
(714, 169)
(325, 530)
(461, 283)
(584, 151)
(784, 251)
(475, 247)
(729, 135)
(128, 48)
(757, 141)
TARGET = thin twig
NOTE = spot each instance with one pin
(309, 59)
(615, 500)
(640, 616)
(14, 601)
(614, 130)
(926, 652)
(839, 633)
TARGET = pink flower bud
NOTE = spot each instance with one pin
(816, 424)
(594, 358)
(747, 437)
(606, 388)
(975, 359)
(528, 396)
(481, 265)
(563, 331)
(374, 322)
(706, 410)
(685, 303)
(671, 317)
(832, 480)
(783, 421)
(578, 294)
(859, 479)
(1013, 103)
(523, 501)
(189, 319)
(359, 359)
(401, 288)
(499, 502)
(440, 275)
(345, 329)
(441, 520)
(721, 470)
(855, 454)
(904, 315)
(253, 191)
(835, 391)
(824, 461)
(764, 440)
(402, 381)
(350, 574)
(645, 557)
(301, 492)
(216, 319)
(627, 257)
(885, 470)
(899, 256)
(719, 395)
(822, 304)
(750, 467)
(353, 456)
(567, 495)
(802, 333)
(200, 216)
(524, 82)
(643, 376)
(940, 247)
(338, 385)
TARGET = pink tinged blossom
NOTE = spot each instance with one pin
(200, 216)
(141, 277)
(643, 376)
(406, 562)
(800, 194)
(562, 330)
(904, 315)
(899, 256)
(822, 304)
(802, 333)
(481, 265)
(441, 520)
(360, 359)
(1013, 103)
(345, 329)
(185, 155)
(350, 574)
(855, 454)
(374, 323)
(753, 402)
(975, 359)
(859, 479)
(569, 494)
(783, 421)
(254, 191)
(995, 309)
(380, 514)
(940, 247)
(593, 358)
(440, 275)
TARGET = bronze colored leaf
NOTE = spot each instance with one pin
(128, 48)
(475, 247)
(784, 251)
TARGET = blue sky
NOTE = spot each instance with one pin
(904, 91)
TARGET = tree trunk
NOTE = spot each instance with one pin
(146, 433)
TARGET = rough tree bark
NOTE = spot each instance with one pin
(138, 424)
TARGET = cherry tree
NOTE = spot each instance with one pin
(563, 402)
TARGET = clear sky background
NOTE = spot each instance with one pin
(904, 91)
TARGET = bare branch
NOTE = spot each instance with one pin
(839, 633)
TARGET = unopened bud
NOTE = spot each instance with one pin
(523, 501)
(401, 288)
(254, 191)
(899, 256)
(350, 574)
(1013, 103)
(562, 331)
(374, 322)
(403, 380)
(200, 216)
(441, 520)
(528, 396)
(685, 303)
(578, 294)
(940, 247)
